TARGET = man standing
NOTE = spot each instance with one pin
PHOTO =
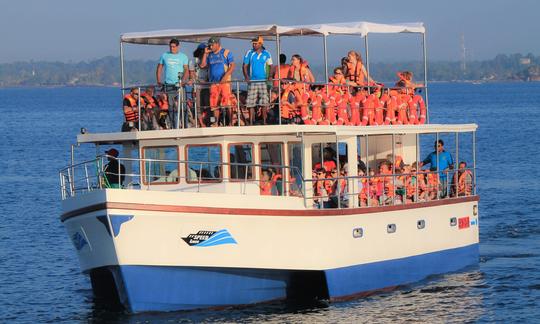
(114, 171)
(221, 65)
(176, 72)
(257, 66)
(440, 160)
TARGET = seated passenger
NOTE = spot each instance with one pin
(266, 183)
(163, 119)
(150, 110)
(300, 71)
(339, 79)
(416, 108)
(131, 111)
(356, 72)
(463, 178)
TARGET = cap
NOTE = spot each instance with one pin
(201, 46)
(112, 152)
(258, 39)
(213, 40)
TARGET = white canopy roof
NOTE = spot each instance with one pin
(361, 28)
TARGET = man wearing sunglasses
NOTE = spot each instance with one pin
(442, 161)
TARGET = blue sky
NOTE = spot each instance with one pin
(70, 30)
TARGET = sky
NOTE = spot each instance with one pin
(74, 30)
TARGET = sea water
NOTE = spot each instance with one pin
(40, 279)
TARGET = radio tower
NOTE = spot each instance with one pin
(463, 55)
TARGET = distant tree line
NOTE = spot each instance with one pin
(106, 71)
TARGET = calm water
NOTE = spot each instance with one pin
(39, 272)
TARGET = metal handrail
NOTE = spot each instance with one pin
(69, 184)
(179, 118)
(91, 182)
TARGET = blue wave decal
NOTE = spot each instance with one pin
(117, 221)
(220, 237)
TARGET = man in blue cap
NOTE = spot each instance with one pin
(257, 66)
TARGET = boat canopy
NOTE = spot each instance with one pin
(360, 28)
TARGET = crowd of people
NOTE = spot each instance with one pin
(393, 182)
(286, 95)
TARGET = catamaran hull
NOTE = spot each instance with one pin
(164, 257)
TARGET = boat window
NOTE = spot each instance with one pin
(271, 160)
(204, 163)
(161, 165)
(241, 159)
(296, 168)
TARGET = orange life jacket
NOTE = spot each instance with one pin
(464, 186)
(163, 104)
(266, 187)
(132, 113)
(302, 72)
(150, 100)
(355, 73)
(283, 73)
(338, 80)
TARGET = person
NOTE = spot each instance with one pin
(200, 76)
(114, 172)
(175, 64)
(256, 68)
(150, 111)
(339, 79)
(283, 70)
(356, 71)
(220, 63)
(266, 184)
(440, 160)
(463, 179)
(299, 70)
(131, 110)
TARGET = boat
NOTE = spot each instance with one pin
(188, 225)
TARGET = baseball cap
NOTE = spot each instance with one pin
(201, 46)
(112, 152)
(257, 39)
(213, 40)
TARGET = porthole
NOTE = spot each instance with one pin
(453, 221)
(358, 232)
(420, 224)
(391, 228)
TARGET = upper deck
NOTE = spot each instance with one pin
(273, 130)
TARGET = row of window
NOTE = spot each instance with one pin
(205, 162)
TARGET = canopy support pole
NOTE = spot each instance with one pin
(366, 45)
(325, 59)
(278, 47)
(122, 67)
(425, 75)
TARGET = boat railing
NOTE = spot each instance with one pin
(196, 109)
(389, 189)
(94, 174)
(328, 192)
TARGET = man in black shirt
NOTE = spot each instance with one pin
(114, 171)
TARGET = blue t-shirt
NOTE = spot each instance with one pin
(218, 64)
(445, 161)
(259, 64)
(174, 64)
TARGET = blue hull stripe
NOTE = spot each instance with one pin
(159, 288)
(352, 280)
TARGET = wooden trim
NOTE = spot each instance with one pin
(264, 212)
